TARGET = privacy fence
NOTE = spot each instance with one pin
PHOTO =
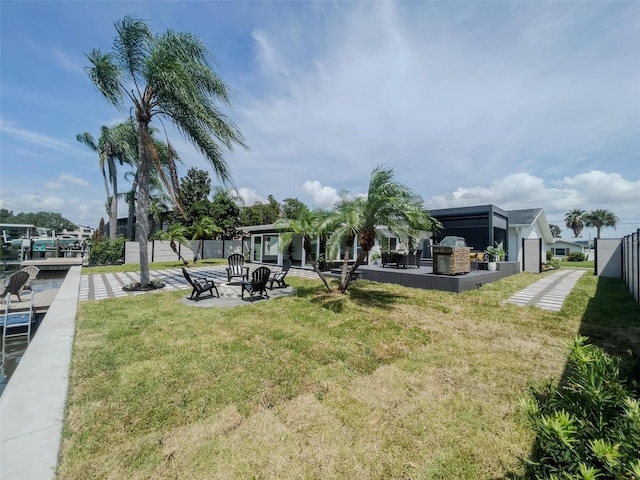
(620, 258)
(161, 251)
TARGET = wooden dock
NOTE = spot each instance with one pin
(41, 301)
(53, 263)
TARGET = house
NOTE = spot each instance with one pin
(561, 248)
(527, 224)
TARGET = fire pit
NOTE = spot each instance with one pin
(451, 257)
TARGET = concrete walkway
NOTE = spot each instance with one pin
(107, 285)
(550, 292)
(32, 404)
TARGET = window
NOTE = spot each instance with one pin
(561, 252)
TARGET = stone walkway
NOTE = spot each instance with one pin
(550, 292)
(108, 285)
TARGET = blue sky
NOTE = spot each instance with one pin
(527, 104)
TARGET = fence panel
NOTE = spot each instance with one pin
(532, 255)
(608, 261)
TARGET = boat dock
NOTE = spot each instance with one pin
(53, 263)
(41, 301)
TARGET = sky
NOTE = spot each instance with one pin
(517, 104)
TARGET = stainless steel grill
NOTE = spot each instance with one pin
(451, 257)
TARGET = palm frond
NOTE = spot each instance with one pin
(105, 75)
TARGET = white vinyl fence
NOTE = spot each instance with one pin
(160, 251)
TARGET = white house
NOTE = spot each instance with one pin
(530, 223)
(562, 248)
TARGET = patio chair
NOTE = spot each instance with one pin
(236, 267)
(200, 285)
(257, 284)
(33, 271)
(14, 284)
(278, 277)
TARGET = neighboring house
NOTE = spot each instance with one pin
(562, 248)
(530, 223)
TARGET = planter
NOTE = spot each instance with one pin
(491, 266)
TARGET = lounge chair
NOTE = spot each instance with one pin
(14, 284)
(236, 267)
(258, 283)
(33, 271)
(200, 285)
(278, 277)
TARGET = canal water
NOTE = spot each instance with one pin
(16, 346)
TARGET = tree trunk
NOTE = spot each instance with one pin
(359, 261)
(306, 245)
(113, 213)
(108, 192)
(142, 218)
(132, 208)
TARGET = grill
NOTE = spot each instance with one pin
(451, 257)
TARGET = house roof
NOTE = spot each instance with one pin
(523, 217)
(569, 242)
(528, 217)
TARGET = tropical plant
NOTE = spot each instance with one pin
(107, 251)
(496, 252)
(170, 76)
(600, 218)
(574, 219)
(590, 423)
(388, 204)
(113, 144)
(308, 226)
(203, 229)
(177, 234)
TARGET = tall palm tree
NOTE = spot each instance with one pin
(168, 76)
(390, 205)
(308, 226)
(574, 219)
(112, 145)
(600, 218)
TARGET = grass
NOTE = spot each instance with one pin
(135, 267)
(387, 382)
(585, 264)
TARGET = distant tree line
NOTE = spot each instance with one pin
(50, 220)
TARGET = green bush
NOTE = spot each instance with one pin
(576, 257)
(107, 252)
(549, 255)
(589, 426)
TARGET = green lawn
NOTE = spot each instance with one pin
(387, 382)
(585, 264)
(135, 267)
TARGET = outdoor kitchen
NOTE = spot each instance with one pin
(451, 257)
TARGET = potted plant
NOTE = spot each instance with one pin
(375, 258)
(494, 254)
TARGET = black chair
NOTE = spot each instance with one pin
(236, 267)
(278, 277)
(200, 285)
(258, 283)
(14, 284)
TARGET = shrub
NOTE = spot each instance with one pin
(549, 255)
(589, 427)
(576, 257)
(107, 252)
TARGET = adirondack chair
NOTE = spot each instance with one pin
(14, 284)
(278, 277)
(200, 285)
(33, 271)
(258, 283)
(236, 267)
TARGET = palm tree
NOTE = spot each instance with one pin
(574, 219)
(176, 234)
(345, 224)
(168, 76)
(390, 205)
(201, 230)
(308, 226)
(600, 218)
(111, 146)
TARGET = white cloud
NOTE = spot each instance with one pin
(67, 63)
(323, 197)
(66, 179)
(249, 196)
(9, 128)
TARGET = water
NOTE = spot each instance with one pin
(16, 346)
